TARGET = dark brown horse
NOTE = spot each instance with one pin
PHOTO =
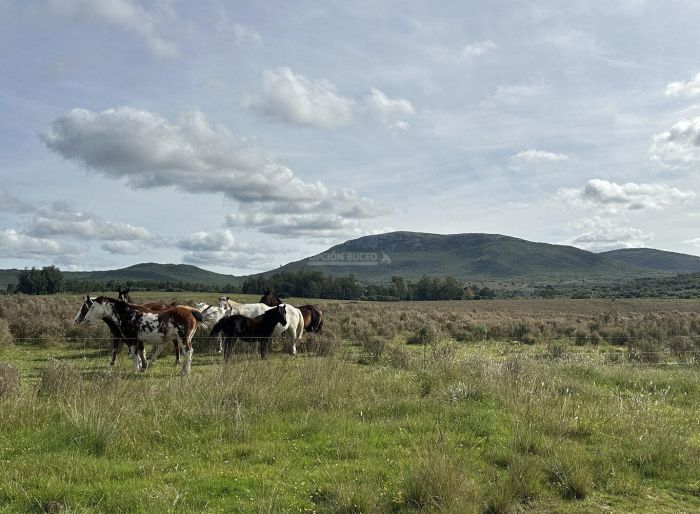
(258, 329)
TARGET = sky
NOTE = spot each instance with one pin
(239, 136)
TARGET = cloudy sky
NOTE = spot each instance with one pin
(241, 136)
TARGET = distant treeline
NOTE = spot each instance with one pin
(314, 284)
(50, 279)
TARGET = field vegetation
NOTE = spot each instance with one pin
(491, 406)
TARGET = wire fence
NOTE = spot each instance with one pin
(90, 348)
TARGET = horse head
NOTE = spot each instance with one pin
(84, 308)
(270, 299)
(281, 314)
(95, 309)
(124, 294)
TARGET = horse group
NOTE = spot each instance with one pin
(134, 324)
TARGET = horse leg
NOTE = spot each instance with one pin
(176, 349)
(133, 353)
(142, 357)
(157, 353)
(188, 356)
(116, 345)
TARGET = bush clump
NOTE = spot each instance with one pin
(10, 379)
(59, 378)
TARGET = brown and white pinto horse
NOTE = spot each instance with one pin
(259, 329)
(139, 324)
(124, 296)
(117, 337)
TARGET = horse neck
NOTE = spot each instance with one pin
(269, 319)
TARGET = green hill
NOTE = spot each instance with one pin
(159, 272)
(144, 271)
(464, 256)
(659, 260)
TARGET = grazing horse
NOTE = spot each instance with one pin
(259, 329)
(117, 337)
(139, 324)
(295, 319)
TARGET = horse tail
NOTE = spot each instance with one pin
(197, 315)
(316, 319)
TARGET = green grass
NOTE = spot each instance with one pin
(479, 426)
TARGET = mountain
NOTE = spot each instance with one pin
(659, 260)
(464, 256)
(144, 271)
(159, 272)
(468, 257)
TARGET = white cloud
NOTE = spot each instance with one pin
(291, 97)
(217, 247)
(693, 242)
(62, 220)
(689, 89)
(515, 93)
(600, 234)
(309, 225)
(120, 247)
(17, 245)
(537, 156)
(150, 151)
(628, 196)
(389, 111)
(219, 240)
(478, 49)
(123, 14)
(679, 144)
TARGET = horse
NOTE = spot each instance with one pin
(313, 318)
(138, 323)
(124, 295)
(117, 337)
(211, 315)
(249, 310)
(295, 319)
(259, 329)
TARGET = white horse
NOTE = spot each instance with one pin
(249, 310)
(210, 316)
(294, 327)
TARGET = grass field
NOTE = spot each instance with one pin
(494, 406)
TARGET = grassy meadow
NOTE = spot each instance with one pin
(490, 406)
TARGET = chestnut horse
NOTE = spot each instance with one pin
(137, 323)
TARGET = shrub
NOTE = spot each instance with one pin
(644, 350)
(10, 380)
(5, 334)
(426, 334)
(59, 378)
(437, 483)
